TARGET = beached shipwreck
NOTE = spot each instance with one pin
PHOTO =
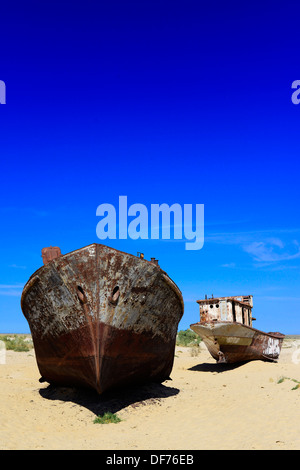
(102, 318)
(226, 329)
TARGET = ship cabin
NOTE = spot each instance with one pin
(231, 309)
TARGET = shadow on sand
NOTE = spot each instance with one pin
(207, 367)
(112, 401)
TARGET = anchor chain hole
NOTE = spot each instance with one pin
(81, 295)
(115, 294)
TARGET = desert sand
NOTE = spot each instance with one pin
(204, 406)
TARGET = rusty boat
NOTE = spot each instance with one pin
(226, 329)
(101, 318)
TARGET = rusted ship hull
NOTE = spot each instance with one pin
(102, 319)
(230, 342)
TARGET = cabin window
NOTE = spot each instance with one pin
(211, 306)
(217, 305)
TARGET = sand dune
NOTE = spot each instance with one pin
(204, 406)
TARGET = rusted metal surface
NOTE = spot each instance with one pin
(229, 340)
(235, 308)
(234, 342)
(50, 253)
(102, 318)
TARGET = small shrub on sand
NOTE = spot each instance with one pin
(195, 351)
(17, 343)
(187, 338)
(107, 418)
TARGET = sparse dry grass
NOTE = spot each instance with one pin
(282, 379)
(17, 343)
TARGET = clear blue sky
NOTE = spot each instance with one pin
(165, 102)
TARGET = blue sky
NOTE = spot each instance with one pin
(164, 102)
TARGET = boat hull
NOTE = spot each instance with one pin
(230, 342)
(102, 319)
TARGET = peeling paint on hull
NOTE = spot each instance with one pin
(230, 342)
(102, 319)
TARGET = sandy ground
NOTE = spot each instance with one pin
(204, 406)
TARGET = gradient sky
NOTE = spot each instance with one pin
(164, 102)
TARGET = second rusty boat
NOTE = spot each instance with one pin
(102, 318)
(226, 329)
